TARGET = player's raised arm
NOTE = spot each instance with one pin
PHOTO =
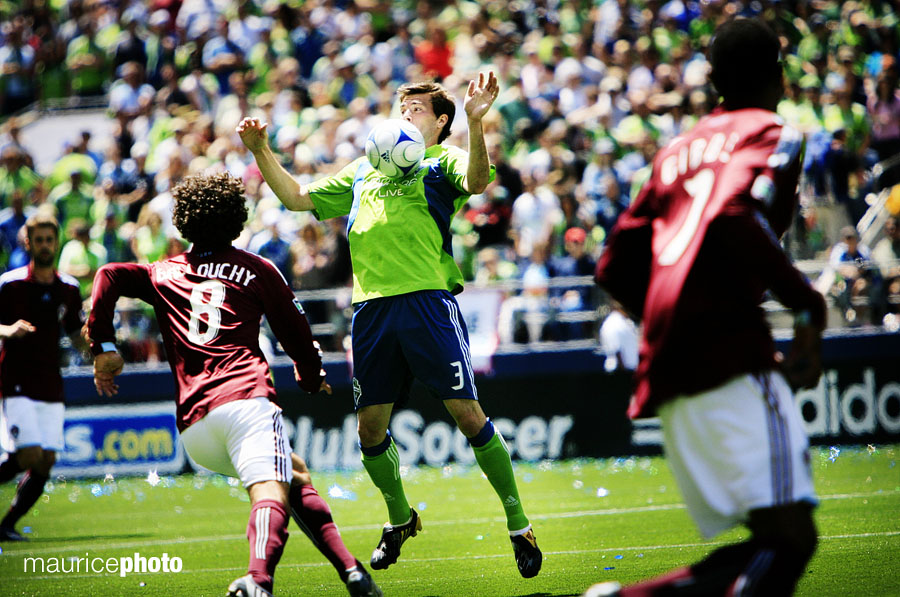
(479, 98)
(292, 194)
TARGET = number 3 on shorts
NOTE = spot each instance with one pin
(459, 375)
(206, 298)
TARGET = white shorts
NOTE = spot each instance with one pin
(25, 422)
(243, 439)
(737, 448)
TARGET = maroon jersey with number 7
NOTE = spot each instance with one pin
(694, 254)
(209, 306)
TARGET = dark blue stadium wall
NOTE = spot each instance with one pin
(548, 405)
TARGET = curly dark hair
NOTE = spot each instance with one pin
(210, 210)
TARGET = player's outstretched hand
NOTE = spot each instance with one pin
(106, 366)
(18, 329)
(480, 96)
(803, 365)
(253, 133)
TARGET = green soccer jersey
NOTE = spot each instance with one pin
(399, 230)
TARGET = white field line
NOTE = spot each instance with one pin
(640, 549)
(431, 523)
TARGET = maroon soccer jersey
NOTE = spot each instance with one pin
(29, 366)
(209, 306)
(697, 250)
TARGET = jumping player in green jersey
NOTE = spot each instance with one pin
(406, 321)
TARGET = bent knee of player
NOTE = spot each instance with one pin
(301, 478)
(301, 474)
(468, 415)
(372, 424)
(30, 457)
(48, 459)
(789, 526)
(269, 490)
(370, 435)
(298, 464)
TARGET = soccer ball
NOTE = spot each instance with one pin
(395, 148)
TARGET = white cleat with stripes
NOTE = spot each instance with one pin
(245, 586)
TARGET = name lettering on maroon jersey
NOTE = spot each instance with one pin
(699, 151)
(166, 271)
(226, 271)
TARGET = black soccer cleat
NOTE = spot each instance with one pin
(392, 537)
(528, 555)
(361, 584)
(10, 534)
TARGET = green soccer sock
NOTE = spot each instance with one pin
(383, 466)
(493, 458)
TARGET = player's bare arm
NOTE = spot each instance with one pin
(480, 97)
(803, 365)
(106, 366)
(16, 330)
(292, 194)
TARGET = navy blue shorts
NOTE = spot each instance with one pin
(418, 335)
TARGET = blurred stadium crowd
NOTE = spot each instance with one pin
(590, 90)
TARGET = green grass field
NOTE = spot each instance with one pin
(614, 519)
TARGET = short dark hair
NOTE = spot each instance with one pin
(210, 210)
(41, 220)
(745, 59)
(441, 101)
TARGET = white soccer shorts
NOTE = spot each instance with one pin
(243, 439)
(736, 448)
(25, 422)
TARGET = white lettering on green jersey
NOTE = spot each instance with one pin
(399, 230)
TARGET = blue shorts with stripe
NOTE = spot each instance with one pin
(418, 335)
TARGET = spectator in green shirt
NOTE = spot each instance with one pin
(72, 199)
(17, 88)
(815, 41)
(349, 84)
(810, 116)
(150, 241)
(86, 61)
(81, 257)
(16, 175)
(851, 116)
